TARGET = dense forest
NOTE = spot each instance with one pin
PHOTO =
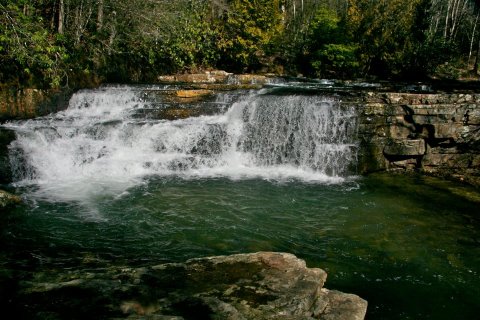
(58, 43)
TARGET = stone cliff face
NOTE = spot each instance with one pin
(431, 133)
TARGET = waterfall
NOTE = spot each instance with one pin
(106, 141)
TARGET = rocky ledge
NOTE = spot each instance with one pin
(262, 285)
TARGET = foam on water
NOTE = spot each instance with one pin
(98, 147)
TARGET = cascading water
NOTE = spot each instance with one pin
(102, 145)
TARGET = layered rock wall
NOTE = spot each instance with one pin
(432, 133)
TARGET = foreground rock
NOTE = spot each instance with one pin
(262, 285)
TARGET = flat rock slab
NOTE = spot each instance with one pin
(264, 285)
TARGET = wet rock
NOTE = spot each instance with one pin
(6, 137)
(250, 79)
(262, 285)
(192, 93)
(29, 103)
(215, 76)
(177, 113)
(8, 200)
(218, 80)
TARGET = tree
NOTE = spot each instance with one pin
(329, 50)
(246, 30)
(28, 53)
(388, 31)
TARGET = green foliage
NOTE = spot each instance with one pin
(428, 56)
(136, 40)
(193, 45)
(329, 50)
(246, 31)
(338, 60)
(28, 52)
(388, 31)
(325, 28)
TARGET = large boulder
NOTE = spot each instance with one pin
(264, 285)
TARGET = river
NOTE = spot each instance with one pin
(110, 182)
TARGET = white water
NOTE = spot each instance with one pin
(98, 146)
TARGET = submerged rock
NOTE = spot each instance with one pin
(8, 200)
(262, 285)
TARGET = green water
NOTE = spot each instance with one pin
(408, 245)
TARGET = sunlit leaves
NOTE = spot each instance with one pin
(28, 51)
(249, 27)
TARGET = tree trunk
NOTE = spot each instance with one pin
(61, 16)
(477, 59)
(473, 38)
(100, 15)
(447, 16)
(54, 16)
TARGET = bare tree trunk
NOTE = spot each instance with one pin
(54, 15)
(100, 15)
(82, 15)
(61, 16)
(473, 38)
(447, 16)
(434, 20)
(458, 14)
(477, 60)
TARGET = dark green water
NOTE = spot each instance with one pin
(408, 245)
